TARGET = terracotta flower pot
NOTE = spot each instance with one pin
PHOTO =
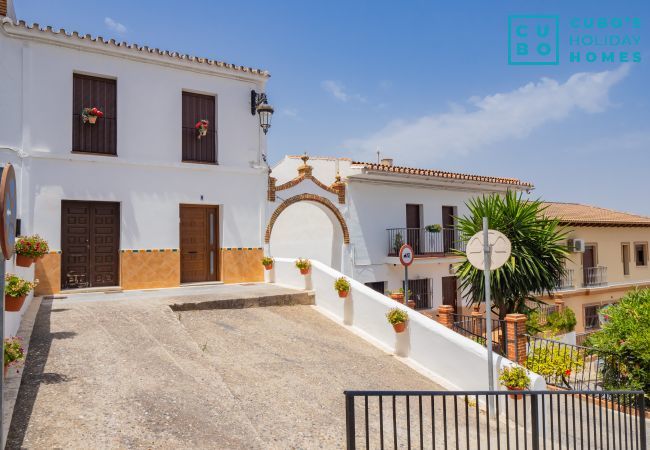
(399, 327)
(398, 297)
(343, 294)
(515, 396)
(14, 304)
(305, 271)
(92, 119)
(24, 261)
(268, 266)
(411, 304)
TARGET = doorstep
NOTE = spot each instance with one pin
(202, 283)
(94, 290)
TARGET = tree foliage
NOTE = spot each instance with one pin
(538, 252)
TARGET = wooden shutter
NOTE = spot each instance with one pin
(97, 92)
(198, 107)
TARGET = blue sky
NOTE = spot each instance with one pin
(427, 82)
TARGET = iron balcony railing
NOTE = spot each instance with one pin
(460, 420)
(424, 243)
(474, 328)
(595, 276)
(566, 282)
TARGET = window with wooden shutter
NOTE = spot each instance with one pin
(94, 92)
(197, 107)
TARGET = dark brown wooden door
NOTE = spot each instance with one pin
(90, 243)
(450, 292)
(448, 232)
(198, 107)
(413, 226)
(588, 262)
(199, 243)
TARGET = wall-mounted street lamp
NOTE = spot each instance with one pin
(259, 105)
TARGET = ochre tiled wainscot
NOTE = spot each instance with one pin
(145, 269)
(48, 274)
(241, 264)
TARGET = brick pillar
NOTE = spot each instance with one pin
(559, 304)
(477, 324)
(3, 7)
(271, 190)
(516, 337)
(445, 315)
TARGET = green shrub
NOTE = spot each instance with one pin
(626, 337)
(561, 322)
(14, 352)
(17, 287)
(435, 228)
(398, 241)
(515, 377)
(555, 362)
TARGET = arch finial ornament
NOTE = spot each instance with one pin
(308, 198)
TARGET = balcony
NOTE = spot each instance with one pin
(566, 282)
(595, 276)
(424, 243)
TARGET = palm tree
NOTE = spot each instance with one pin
(538, 254)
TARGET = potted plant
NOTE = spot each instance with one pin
(435, 228)
(398, 296)
(202, 128)
(29, 249)
(90, 115)
(342, 285)
(16, 289)
(14, 353)
(397, 317)
(304, 265)
(398, 241)
(515, 378)
(267, 262)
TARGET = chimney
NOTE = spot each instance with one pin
(7, 9)
(3, 7)
(387, 162)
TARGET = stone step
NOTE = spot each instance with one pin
(206, 301)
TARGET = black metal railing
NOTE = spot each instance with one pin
(582, 337)
(543, 310)
(421, 292)
(569, 366)
(475, 328)
(423, 242)
(595, 276)
(461, 420)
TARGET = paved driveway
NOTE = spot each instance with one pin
(126, 372)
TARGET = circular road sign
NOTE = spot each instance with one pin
(406, 255)
(8, 211)
(500, 249)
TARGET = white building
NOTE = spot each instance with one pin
(357, 224)
(137, 199)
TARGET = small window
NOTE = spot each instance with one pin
(379, 286)
(99, 137)
(196, 147)
(641, 254)
(591, 317)
(625, 255)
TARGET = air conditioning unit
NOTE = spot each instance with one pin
(576, 245)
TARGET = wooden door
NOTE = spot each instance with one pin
(199, 243)
(588, 262)
(448, 232)
(90, 242)
(450, 292)
(413, 226)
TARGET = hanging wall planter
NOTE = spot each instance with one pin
(90, 115)
(16, 289)
(30, 249)
(202, 128)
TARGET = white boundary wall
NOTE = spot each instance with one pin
(13, 319)
(453, 361)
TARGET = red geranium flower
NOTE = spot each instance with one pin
(567, 372)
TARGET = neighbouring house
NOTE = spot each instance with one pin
(609, 256)
(141, 194)
(354, 216)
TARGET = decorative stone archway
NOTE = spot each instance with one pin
(307, 198)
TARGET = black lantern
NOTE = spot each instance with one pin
(259, 105)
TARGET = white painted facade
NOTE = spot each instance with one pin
(374, 203)
(147, 176)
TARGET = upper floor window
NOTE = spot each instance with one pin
(641, 253)
(94, 131)
(625, 255)
(199, 145)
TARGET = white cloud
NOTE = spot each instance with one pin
(492, 119)
(114, 25)
(338, 91)
(290, 112)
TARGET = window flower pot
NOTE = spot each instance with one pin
(305, 271)
(343, 294)
(515, 396)
(268, 266)
(25, 261)
(14, 304)
(399, 327)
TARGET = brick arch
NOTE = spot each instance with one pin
(307, 198)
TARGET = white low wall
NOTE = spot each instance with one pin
(12, 319)
(452, 360)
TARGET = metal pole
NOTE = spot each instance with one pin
(488, 302)
(406, 285)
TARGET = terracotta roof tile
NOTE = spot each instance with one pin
(575, 213)
(99, 40)
(443, 174)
